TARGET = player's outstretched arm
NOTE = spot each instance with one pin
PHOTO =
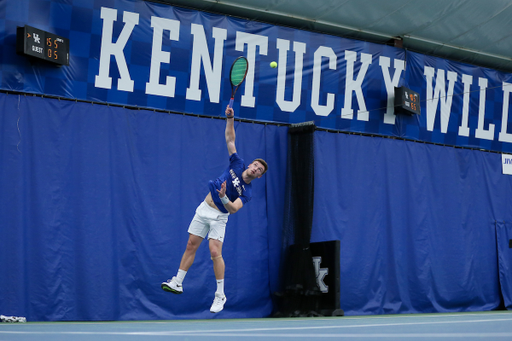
(230, 130)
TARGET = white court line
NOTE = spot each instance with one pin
(378, 335)
(235, 332)
(428, 315)
(266, 320)
(198, 332)
(302, 335)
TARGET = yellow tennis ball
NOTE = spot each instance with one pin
(273, 65)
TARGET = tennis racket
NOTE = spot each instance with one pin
(237, 76)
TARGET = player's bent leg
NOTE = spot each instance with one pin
(190, 252)
(218, 268)
(174, 284)
(216, 255)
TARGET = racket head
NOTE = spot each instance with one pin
(238, 71)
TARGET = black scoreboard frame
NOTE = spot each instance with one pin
(33, 42)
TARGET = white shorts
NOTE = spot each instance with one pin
(208, 220)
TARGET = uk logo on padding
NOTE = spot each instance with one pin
(320, 274)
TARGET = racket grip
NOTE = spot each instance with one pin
(231, 103)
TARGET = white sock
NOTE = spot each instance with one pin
(180, 276)
(220, 287)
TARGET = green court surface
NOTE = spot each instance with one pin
(473, 326)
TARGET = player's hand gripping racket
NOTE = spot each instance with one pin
(237, 76)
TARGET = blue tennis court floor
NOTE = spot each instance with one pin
(461, 326)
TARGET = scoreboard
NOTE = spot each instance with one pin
(44, 45)
(407, 101)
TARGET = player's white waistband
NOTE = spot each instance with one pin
(213, 210)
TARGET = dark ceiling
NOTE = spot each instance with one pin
(471, 31)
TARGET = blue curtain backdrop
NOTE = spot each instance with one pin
(96, 200)
(95, 204)
(416, 223)
(504, 245)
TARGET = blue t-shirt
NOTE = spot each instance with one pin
(235, 185)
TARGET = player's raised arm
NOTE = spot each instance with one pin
(230, 130)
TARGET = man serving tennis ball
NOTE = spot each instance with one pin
(228, 193)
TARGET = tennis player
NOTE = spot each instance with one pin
(228, 193)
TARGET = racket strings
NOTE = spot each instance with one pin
(238, 72)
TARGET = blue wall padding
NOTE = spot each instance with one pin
(95, 202)
(504, 242)
(416, 223)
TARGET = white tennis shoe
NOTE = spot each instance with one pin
(218, 303)
(172, 286)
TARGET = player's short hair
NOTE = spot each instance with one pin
(263, 163)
